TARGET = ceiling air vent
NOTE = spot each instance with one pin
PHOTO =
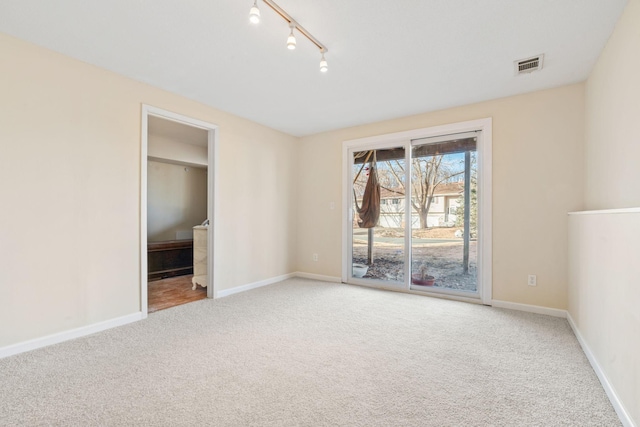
(529, 65)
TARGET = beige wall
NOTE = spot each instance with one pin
(603, 297)
(70, 191)
(537, 170)
(612, 149)
(176, 200)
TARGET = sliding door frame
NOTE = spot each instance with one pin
(404, 139)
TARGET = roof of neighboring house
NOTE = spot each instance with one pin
(391, 193)
(450, 189)
(447, 189)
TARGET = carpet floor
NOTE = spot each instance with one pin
(308, 353)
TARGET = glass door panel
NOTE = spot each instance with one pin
(378, 216)
(444, 212)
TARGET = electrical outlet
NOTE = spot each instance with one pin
(532, 280)
(315, 257)
(332, 205)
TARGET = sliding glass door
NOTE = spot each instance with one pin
(413, 219)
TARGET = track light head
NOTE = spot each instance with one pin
(291, 40)
(254, 13)
(323, 64)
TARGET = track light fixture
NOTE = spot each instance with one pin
(291, 40)
(323, 63)
(254, 17)
(254, 13)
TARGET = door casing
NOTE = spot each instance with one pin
(212, 170)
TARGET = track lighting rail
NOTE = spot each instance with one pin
(295, 24)
(254, 18)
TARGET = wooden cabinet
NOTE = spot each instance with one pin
(169, 258)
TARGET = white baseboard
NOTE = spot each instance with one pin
(555, 312)
(320, 277)
(254, 285)
(59, 337)
(613, 397)
(259, 284)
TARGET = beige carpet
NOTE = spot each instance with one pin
(306, 353)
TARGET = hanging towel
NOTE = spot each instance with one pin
(369, 212)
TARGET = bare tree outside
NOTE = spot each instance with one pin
(427, 173)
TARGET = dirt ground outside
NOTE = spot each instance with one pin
(423, 233)
(435, 250)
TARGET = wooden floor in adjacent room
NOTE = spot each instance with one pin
(173, 291)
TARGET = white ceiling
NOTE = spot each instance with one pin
(387, 59)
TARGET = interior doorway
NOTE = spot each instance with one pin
(417, 211)
(177, 209)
